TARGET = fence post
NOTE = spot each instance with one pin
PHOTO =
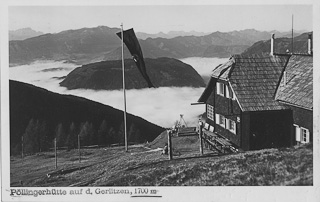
(200, 137)
(79, 148)
(22, 146)
(169, 144)
(55, 153)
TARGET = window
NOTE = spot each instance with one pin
(284, 79)
(231, 125)
(229, 93)
(305, 135)
(302, 134)
(220, 120)
(210, 112)
(224, 90)
(220, 88)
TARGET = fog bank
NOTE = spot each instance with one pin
(161, 106)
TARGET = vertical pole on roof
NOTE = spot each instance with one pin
(200, 137)
(292, 36)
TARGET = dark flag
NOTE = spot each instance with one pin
(132, 43)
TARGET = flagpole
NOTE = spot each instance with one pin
(292, 36)
(124, 95)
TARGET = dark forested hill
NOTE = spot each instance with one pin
(108, 75)
(40, 115)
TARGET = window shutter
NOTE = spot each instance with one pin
(211, 128)
(235, 128)
(220, 89)
(217, 118)
(227, 121)
(223, 89)
(298, 133)
(231, 94)
(227, 92)
(206, 126)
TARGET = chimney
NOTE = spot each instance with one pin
(272, 45)
(309, 43)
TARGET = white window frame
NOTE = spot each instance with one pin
(302, 134)
(219, 90)
(210, 112)
(305, 135)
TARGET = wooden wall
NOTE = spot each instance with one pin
(231, 110)
(270, 129)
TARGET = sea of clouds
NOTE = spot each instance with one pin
(161, 106)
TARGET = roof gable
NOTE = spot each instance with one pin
(298, 89)
(222, 71)
(208, 90)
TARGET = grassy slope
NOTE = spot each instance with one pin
(265, 167)
(144, 167)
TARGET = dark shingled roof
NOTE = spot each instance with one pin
(222, 71)
(298, 90)
(253, 79)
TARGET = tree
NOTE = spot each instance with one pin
(60, 135)
(113, 135)
(103, 135)
(30, 137)
(86, 133)
(120, 136)
(42, 136)
(134, 134)
(72, 137)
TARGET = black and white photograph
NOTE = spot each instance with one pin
(166, 101)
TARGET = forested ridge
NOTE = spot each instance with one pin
(37, 116)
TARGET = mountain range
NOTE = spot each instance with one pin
(169, 35)
(40, 116)
(23, 33)
(88, 45)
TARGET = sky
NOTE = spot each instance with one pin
(164, 18)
